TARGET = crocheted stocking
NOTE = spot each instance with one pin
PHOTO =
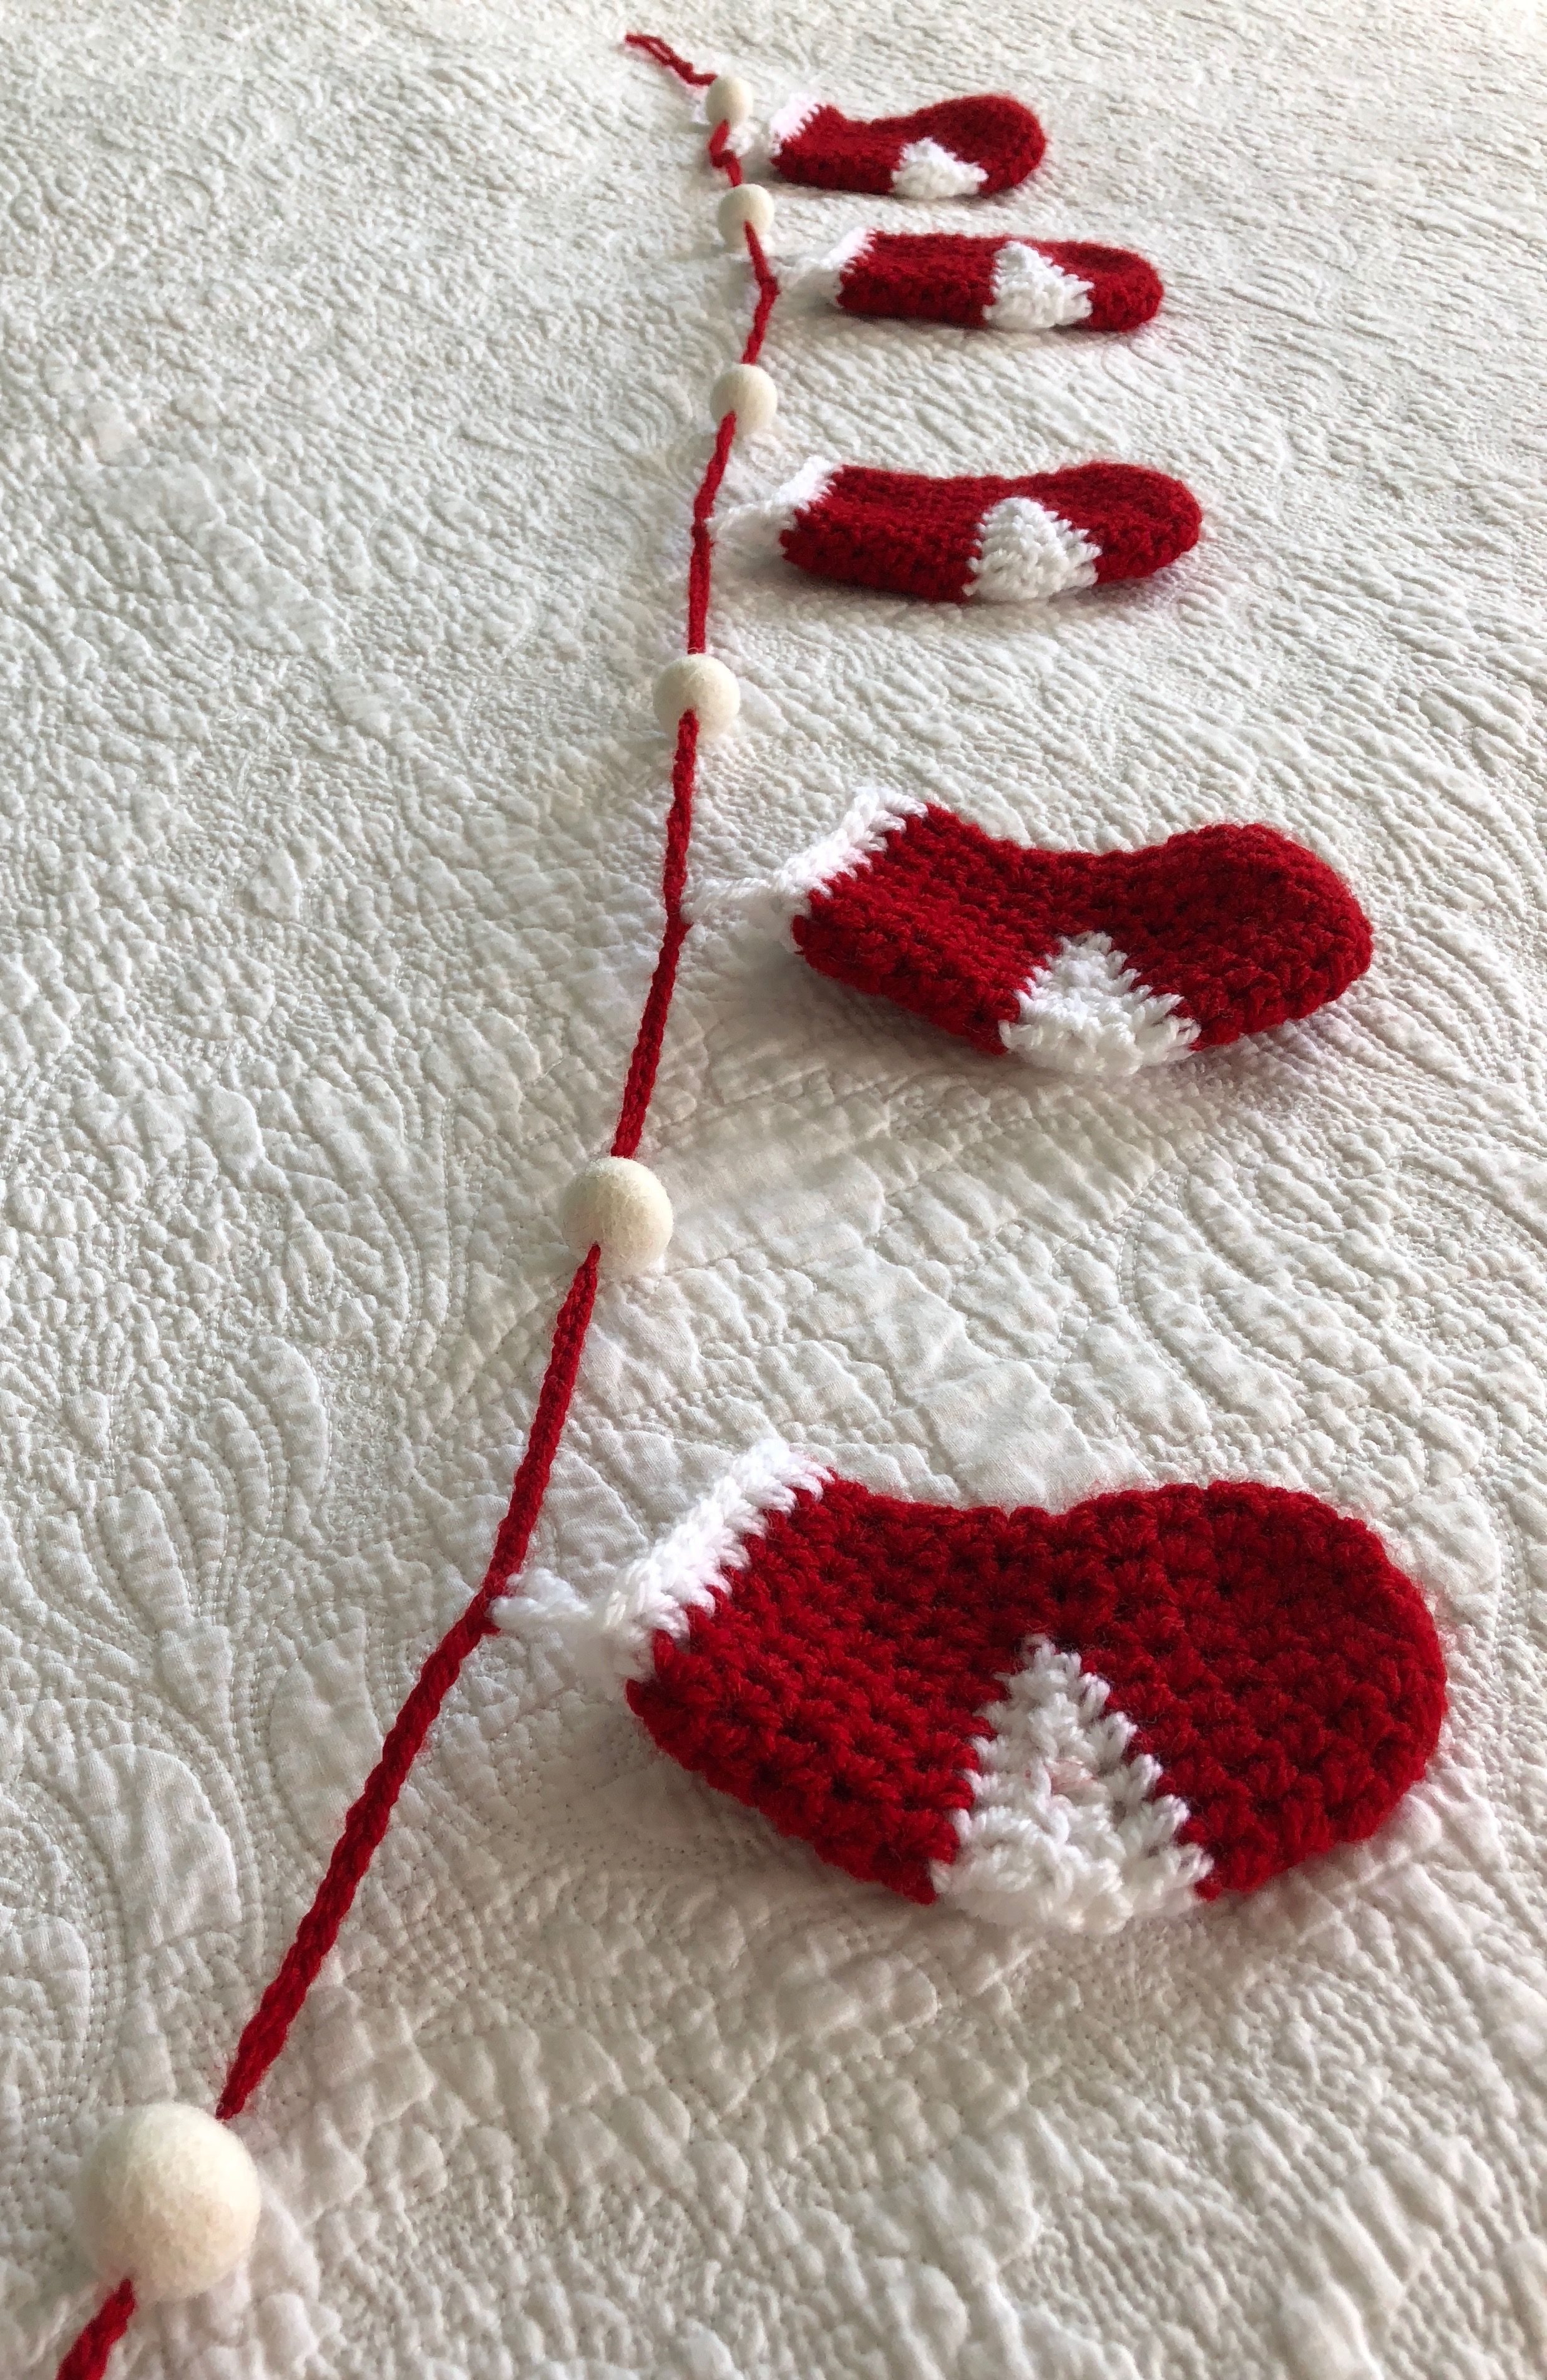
(1088, 962)
(986, 541)
(994, 284)
(957, 149)
(1066, 1722)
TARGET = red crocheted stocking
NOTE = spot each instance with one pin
(987, 540)
(1088, 962)
(1059, 1720)
(993, 285)
(957, 149)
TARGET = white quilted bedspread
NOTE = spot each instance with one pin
(355, 359)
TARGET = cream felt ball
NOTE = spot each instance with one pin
(618, 1205)
(728, 100)
(746, 390)
(168, 2197)
(749, 203)
(701, 684)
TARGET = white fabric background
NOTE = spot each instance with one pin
(355, 362)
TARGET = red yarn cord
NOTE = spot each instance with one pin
(768, 289)
(646, 1059)
(652, 1025)
(367, 1822)
(653, 47)
(87, 2360)
(701, 565)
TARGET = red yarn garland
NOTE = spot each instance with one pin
(265, 2035)
(367, 1822)
(653, 1025)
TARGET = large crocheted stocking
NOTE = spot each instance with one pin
(1065, 1720)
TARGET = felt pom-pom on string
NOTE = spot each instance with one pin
(747, 203)
(728, 100)
(618, 1206)
(750, 393)
(169, 2197)
(701, 684)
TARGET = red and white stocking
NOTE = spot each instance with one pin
(979, 283)
(957, 149)
(1088, 963)
(1063, 1721)
(985, 541)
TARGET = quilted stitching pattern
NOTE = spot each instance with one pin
(353, 378)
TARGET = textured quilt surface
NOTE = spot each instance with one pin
(355, 359)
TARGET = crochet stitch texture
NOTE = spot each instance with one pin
(1233, 929)
(907, 533)
(944, 276)
(831, 151)
(1282, 1679)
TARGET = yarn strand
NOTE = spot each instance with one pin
(653, 47)
(367, 1822)
(266, 2033)
(653, 1025)
(87, 2360)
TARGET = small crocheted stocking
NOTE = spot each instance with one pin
(990, 284)
(986, 541)
(957, 149)
(1088, 962)
(1063, 1722)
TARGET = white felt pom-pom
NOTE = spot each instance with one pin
(168, 2199)
(749, 203)
(746, 390)
(619, 1207)
(728, 100)
(697, 683)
